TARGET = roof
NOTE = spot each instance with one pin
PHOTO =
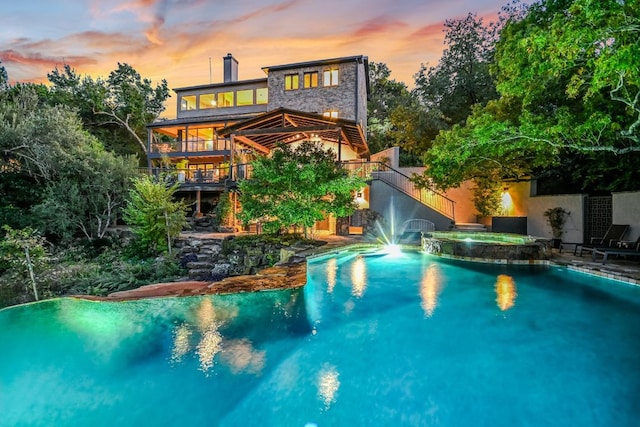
(356, 58)
(283, 125)
(221, 84)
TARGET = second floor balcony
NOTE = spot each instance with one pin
(175, 147)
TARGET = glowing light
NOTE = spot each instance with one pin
(328, 385)
(430, 289)
(393, 250)
(505, 292)
(506, 203)
(332, 273)
(358, 277)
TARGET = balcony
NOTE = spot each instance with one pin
(199, 147)
(212, 177)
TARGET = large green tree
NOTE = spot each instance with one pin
(297, 187)
(116, 109)
(75, 185)
(461, 78)
(568, 74)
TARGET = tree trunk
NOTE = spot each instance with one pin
(31, 276)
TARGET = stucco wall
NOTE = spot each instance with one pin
(626, 210)
(574, 226)
(392, 154)
(397, 207)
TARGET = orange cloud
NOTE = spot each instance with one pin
(377, 25)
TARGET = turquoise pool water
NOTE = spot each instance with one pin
(372, 340)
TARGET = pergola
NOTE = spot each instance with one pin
(282, 125)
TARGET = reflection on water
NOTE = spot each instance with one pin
(208, 347)
(181, 346)
(332, 272)
(358, 277)
(429, 289)
(505, 292)
(328, 385)
(240, 356)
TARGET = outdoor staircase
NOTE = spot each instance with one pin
(401, 182)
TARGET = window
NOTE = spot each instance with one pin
(291, 81)
(262, 95)
(330, 77)
(188, 102)
(208, 100)
(225, 99)
(244, 97)
(311, 79)
(331, 114)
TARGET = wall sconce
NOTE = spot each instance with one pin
(506, 202)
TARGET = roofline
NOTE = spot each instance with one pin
(219, 85)
(202, 120)
(355, 58)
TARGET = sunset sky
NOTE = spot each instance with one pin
(178, 39)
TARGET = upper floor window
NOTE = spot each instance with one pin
(188, 102)
(291, 81)
(244, 97)
(208, 100)
(262, 95)
(331, 114)
(311, 79)
(225, 99)
(330, 77)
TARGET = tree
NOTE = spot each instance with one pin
(461, 79)
(124, 102)
(25, 252)
(297, 187)
(74, 184)
(568, 74)
(155, 217)
(4, 78)
(385, 97)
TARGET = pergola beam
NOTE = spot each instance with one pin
(288, 130)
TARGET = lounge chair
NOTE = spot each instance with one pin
(614, 234)
(626, 249)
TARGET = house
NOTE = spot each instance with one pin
(220, 127)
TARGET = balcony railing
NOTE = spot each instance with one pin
(191, 146)
(205, 175)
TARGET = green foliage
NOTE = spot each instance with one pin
(556, 218)
(223, 210)
(568, 74)
(155, 218)
(461, 79)
(297, 187)
(115, 110)
(24, 252)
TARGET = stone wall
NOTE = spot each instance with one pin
(341, 97)
(216, 258)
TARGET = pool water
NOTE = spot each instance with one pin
(370, 340)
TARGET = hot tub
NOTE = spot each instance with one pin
(487, 247)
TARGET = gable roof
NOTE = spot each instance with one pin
(284, 125)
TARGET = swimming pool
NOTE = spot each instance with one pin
(409, 340)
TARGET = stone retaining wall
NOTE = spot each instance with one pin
(216, 258)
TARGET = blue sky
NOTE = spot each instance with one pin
(174, 39)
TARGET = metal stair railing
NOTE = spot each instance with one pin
(396, 179)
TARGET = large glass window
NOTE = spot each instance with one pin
(262, 95)
(291, 81)
(225, 99)
(330, 77)
(188, 102)
(311, 79)
(244, 97)
(208, 100)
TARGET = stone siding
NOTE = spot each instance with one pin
(319, 99)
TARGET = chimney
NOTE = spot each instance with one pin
(230, 68)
